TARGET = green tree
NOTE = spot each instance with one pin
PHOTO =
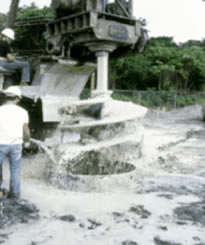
(191, 68)
(162, 52)
(30, 28)
(163, 65)
(129, 72)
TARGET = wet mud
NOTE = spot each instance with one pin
(17, 211)
(164, 206)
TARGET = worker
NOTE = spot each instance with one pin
(8, 61)
(14, 131)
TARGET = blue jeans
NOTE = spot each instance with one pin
(14, 153)
(24, 67)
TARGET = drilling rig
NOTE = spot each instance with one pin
(79, 42)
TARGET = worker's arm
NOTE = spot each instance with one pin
(26, 133)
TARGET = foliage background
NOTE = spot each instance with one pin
(30, 29)
(164, 65)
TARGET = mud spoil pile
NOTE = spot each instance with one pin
(13, 212)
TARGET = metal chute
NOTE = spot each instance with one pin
(61, 83)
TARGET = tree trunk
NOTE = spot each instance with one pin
(12, 13)
(160, 81)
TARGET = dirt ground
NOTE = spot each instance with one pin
(162, 202)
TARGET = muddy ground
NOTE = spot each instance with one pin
(161, 203)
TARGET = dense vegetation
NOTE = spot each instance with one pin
(163, 65)
(30, 28)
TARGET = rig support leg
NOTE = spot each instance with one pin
(102, 71)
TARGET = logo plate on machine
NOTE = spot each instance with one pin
(118, 32)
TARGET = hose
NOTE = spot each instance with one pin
(45, 148)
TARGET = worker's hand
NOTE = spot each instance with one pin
(27, 145)
(11, 58)
(23, 84)
(2, 59)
